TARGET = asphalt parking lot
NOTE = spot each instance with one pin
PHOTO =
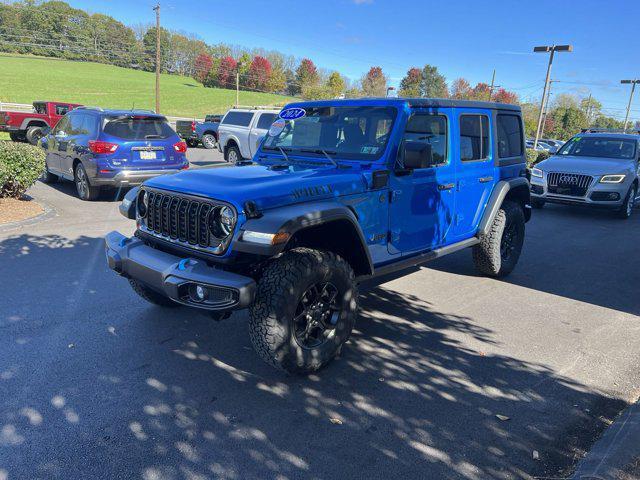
(95, 383)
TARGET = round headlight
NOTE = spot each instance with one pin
(222, 221)
(143, 203)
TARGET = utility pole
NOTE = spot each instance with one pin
(633, 88)
(546, 110)
(157, 10)
(493, 79)
(238, 85)
(552, 49)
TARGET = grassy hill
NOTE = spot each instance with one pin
(24, 79)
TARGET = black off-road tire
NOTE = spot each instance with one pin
(17, 137)
(626, 209)
(489, 257)
(232, 154)
(87, 191)
(537, 203)
(279, 292)
(34, 134)
(152, 296)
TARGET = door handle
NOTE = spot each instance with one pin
(485, 179)
(446, 186)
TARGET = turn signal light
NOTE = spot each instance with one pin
(97, 146)
(180, 147)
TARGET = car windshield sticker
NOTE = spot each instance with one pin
(276, 128)
(292, 113)
(369, 150)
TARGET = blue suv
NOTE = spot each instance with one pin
(98, 148)
(340, 192)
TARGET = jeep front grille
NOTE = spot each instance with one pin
(571, 184)
(181, 219)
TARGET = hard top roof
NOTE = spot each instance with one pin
(411, 102)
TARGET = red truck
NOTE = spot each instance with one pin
(28, 126)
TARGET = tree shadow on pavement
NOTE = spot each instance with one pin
(94, 383)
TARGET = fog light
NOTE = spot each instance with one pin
(200, 292)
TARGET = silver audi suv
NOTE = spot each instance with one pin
(594, 168)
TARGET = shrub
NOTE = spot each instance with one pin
(20, 166)
(534, 157)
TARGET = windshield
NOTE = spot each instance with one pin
(138, 128)
(355, 133)
(599, 147)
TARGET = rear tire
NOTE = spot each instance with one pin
(499, 250)
(232, 154)
(85, 190)
(152, 296)
(305, 308)
(34, 134)
(629, 202)
(17, 137)
(209, 141)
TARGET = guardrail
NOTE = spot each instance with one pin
(26, 107)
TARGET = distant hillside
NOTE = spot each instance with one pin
(25, 79)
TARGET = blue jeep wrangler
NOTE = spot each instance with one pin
(339, 192)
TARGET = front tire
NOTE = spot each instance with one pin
(34, 134)
(304, 311)
(209, 141)
(85, 190)
(232, 154)
(629, 202)
(151, 296)
(17, 137)
(499, 250)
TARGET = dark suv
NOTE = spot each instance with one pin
(111, 148)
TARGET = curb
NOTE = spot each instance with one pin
(617, 448)
(48, 212)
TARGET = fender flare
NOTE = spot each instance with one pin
(498, 195)
(25, 123)
(293, 219)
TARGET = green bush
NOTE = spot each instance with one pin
(534, 157)
(20, 166)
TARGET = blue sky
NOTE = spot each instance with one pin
(462, 38)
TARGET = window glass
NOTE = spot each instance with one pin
(40, 108)
(241, 119)
(474, 137)
(138, 128)
(599, 147)
(265, 120)
(509, 136)
(62, 109)
(62, 126)
(353, 132)
(213, 118)
(430, 129)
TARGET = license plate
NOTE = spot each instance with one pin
(144, 155)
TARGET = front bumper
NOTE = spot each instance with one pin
(130, 178)
(603, 195)
(176, 277)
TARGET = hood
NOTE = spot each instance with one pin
(585, 165)
(267, 186)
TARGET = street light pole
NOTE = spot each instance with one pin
(633, 88)
(546, 109)
(157, 10)
(237, 84)
(389, 90)
(552, 49)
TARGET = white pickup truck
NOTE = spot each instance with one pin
(241, 131)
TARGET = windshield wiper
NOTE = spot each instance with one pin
(282, 151)
(324, 152)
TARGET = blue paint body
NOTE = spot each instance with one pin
(410, 214)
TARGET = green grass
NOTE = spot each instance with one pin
(24, 79)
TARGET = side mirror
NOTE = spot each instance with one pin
(417, 155)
